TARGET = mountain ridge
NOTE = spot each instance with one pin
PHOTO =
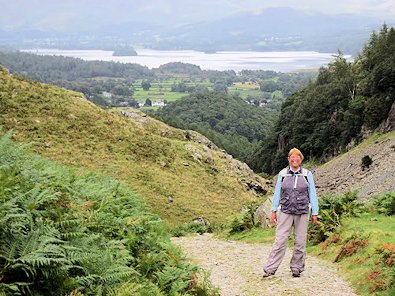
(272, 29)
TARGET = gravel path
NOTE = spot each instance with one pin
(236, 268)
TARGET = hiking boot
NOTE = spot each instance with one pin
(267, 274)
(295, 273)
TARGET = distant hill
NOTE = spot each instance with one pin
(280, 29)
(180, 174)
(273, 29)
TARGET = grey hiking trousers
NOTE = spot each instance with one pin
(284, 226)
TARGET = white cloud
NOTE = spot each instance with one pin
(37, 11)
(378, 8)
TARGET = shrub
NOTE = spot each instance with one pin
(382, 278)
(237, 226)
(247, 220)
(387, 253)
(332, 209)
(366, 161)
(385, 203)
(191, 227)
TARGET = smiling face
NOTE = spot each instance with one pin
(294, 161)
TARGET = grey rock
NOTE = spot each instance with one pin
(390, 122)
(135, 116)
(198, 138)
(201, 221)
(264, 213)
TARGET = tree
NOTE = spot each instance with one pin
(148, 102)
(121, 90)
(268, 85)
(323, 117)
(145, 84)
(220, 87)
(227, 120)
(180, 87)
(134, 103)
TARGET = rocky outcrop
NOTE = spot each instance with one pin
(201, 154)
(390, 122)
(135, 116)
(201, 221)
(246, 176)
(205, 153)
(199, 138)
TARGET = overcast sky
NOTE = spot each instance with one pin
(59, 14)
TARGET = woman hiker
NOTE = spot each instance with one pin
(294, 191)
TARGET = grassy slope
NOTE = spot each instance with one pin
(358, 268)
(64, 230)
(65, 127)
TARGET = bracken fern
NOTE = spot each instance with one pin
(68, 231)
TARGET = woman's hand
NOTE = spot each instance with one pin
(314, 219)
(274, 218)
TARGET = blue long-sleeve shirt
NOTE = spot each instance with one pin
(312, 194)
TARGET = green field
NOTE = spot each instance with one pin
(161, 91)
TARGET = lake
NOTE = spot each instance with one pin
(287, 61)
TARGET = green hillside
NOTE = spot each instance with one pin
(180, 179)
(67, 231)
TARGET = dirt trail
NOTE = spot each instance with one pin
(236, 268)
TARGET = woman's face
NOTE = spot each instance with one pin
(295, 160)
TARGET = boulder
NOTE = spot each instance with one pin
(198, 138)
(264, 213)
(136, 116)
(201, 221)
(200, 154)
